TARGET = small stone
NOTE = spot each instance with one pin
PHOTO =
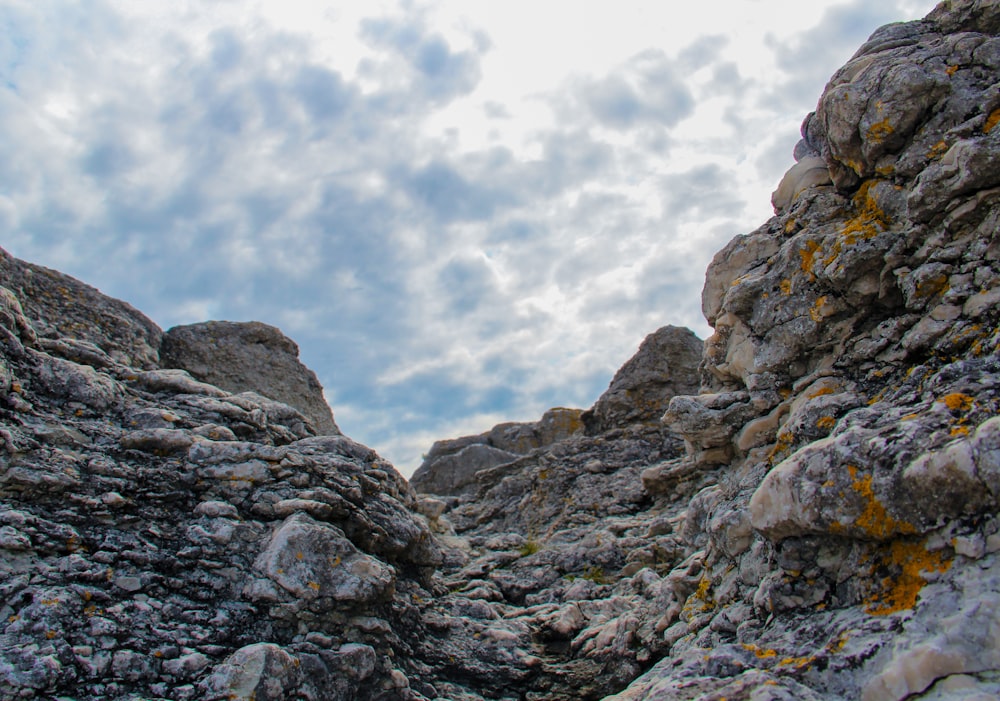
(128, 583)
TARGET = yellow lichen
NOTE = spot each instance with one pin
(874, 520)
(956, 401)
(870, 218)
(816, 313)
(992, 121)
(761, 653)
(786, 287)
(937, 150)
(880, 131)
(906, 562)
(702, 594)
(797, 662)
(785, 441)
(932, 286)
(808, 255)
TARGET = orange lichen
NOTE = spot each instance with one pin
(808, 255)
(702, 594)
(959, 431)
(956, 401)
(992, 121)
(951, 70)
(784, 442)
(907, 561)
(761, 653)
(870, 218)
(880, 131)
(786, 287)
(932, 286)
(822, 391)
(820, 309)
(826, 422)
(797, 662)
(874, 520)
(937, 150)
(313, 585)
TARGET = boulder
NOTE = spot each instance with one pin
(249, 356)
(666, 365)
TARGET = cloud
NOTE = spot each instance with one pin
(648, 89)
(198, 162)
(422, 58)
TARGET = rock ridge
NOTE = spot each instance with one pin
(813, 517)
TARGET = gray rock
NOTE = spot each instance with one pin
(817, 521)
(248, 356)
(451, 466)
(455, 473)
(666, 365)
(59, 306)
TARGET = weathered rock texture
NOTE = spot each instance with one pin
(450, 466)
(248, 357)
(817, 522)
(665, 366)
(66, 310)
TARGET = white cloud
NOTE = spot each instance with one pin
(463, 212)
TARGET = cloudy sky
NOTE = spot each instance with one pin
(464, 211)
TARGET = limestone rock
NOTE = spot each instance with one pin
(61, 307)
(817, 521)
(665, 365)
(451, 466)
(248, 356)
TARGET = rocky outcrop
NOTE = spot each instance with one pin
(64, 310)
(165, 538)
(665, 366)
(450, 467)
(829, 528)
(818, 521)
(249, 357)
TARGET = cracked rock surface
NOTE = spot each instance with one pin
(802, 507)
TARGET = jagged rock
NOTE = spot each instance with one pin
(666, 365)
(819, 521)
(451, 466)
(61, 307)
(248, 356)
(857, 498)
(455, 473)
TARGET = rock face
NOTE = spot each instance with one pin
(665, 366)
(62, 309)
(451, 465)
(249, 357)
(818, 520)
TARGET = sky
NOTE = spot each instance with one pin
(463, 211)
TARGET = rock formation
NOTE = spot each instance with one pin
(248, 357)
(815, 517)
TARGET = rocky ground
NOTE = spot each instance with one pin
(804, 508)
